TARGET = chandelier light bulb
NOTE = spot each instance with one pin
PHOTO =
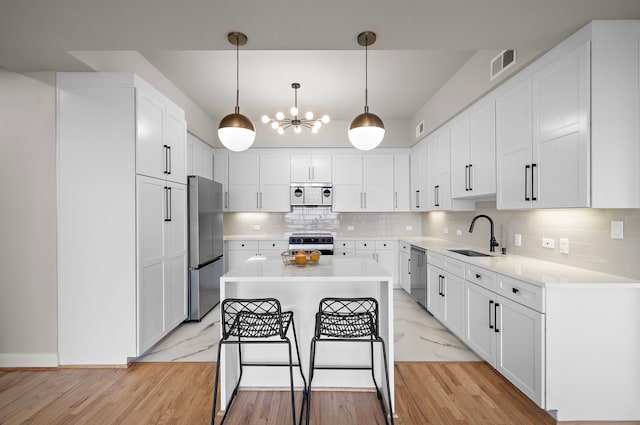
(317, 124)
(265, 119)
(314, 130)
(325, 119)
(309, 115)
(297, 129)
(280, 130)
(274, 125)
(294, 111)
(279, 116)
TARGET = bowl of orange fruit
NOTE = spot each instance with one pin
(300, 257)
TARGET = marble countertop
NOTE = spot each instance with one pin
(329, 268)
(537, 272)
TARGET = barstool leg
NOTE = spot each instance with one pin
(386, 371)
(293, 397)
(304, 381)
(312, 363)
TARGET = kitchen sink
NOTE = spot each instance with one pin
(469, 253)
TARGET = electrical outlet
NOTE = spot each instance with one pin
(564, 246)
(408, 227)
(349, 227)
(458, 232)
(256, 227)
(617, 230)
(445, 230)
(548, 243)
(517, 239)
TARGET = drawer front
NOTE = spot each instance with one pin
(521, 292)
(482, 277)
(344, 252)
(364, 245)
(435, 259)
(276, 245)
(385, 245)
(243, 245)
(405, 247)
(455, 267)
(344, 245)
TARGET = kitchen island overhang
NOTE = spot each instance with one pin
(300, 289)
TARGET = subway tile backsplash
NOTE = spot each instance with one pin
(588, 231)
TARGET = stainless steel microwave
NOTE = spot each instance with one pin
(311, 194)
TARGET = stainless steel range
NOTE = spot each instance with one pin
(322, 242)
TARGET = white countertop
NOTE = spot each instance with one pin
(329, 268)
(531, 270)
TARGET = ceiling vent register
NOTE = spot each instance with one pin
(499, 64)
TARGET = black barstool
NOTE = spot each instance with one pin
(257, 321)
(349, 320)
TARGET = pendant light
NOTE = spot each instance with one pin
(366, 130)
(236, 132)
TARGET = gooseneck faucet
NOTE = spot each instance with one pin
(493, 243)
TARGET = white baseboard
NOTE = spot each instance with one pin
(29, 360)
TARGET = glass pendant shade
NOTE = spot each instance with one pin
(236, 132)
(366, 131)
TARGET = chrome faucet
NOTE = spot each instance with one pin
(493, 243)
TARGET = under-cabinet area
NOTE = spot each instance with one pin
(545, 327)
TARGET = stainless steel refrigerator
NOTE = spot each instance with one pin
(205, 245)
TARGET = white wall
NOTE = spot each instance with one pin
(28, 287)
(466, 86)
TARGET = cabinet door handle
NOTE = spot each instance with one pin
(470, 176)
(257, 200)
(167, 203)
(526, 178)
(395, 202)
(515, 290)
(442, 277)
(417, 199)
(166, 159)
(466, 177)
(495, 316)
(478, 276)
(260, 200)
(436, 192)
(365, 200)
(169, 156)
(490, 322)
(533, 197)
(226, 200)
(309, 173)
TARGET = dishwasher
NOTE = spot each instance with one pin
(418, 289)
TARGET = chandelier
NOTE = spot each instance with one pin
(280, 123)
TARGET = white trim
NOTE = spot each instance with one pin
(29, 360)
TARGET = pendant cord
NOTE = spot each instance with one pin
(295, 103)
(237, 74)
(366, 75)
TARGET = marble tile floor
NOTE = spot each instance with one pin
(418, 337)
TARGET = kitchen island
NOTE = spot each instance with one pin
(300, 289)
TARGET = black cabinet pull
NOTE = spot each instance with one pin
(515, 290)
(533, 197)
(478, 276)
(466, 177)
(470, 174)
(436, 193)
(169, 148)
(167, 203)
(490, 323)
(166, 159)
(526, 177)
(495, 316)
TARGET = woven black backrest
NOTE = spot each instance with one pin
(347, 318)
(251, 318)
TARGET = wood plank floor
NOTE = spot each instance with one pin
(427, 393)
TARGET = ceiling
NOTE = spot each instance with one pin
(421, 44)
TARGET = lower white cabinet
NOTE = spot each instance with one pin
(239, 251)
(445, 291)
(404, 266)
(507, 334)
(382, 251)
(162, 259)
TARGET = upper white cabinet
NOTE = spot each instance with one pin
(221, 174)
(199, 158)
(543, 136)
(401, 182)
(121, 229)
(419, 177)
(363, 182)
(259, 182)
(161, 136)
(315, 167)
(568, 125)
(473, 141)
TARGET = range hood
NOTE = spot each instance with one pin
(311, 194)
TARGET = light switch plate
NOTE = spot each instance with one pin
(617, 230)
(564, 246)
(458, 232)
(548, 243)
(517, 239)
(445, 230)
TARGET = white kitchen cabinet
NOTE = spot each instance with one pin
(344, 248)
(259, 182)
(404, 266)
(543, 137)
(507, 334)
(419, 177)
(121, 267)
(161, 136)
(401, 182)
(239, 251)
(445, 291)
(383, 251)
(162, 258)
(312, 167)
(438, 191)
(363, 182)
(199, 158)
(221, 174)
(473, 144)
